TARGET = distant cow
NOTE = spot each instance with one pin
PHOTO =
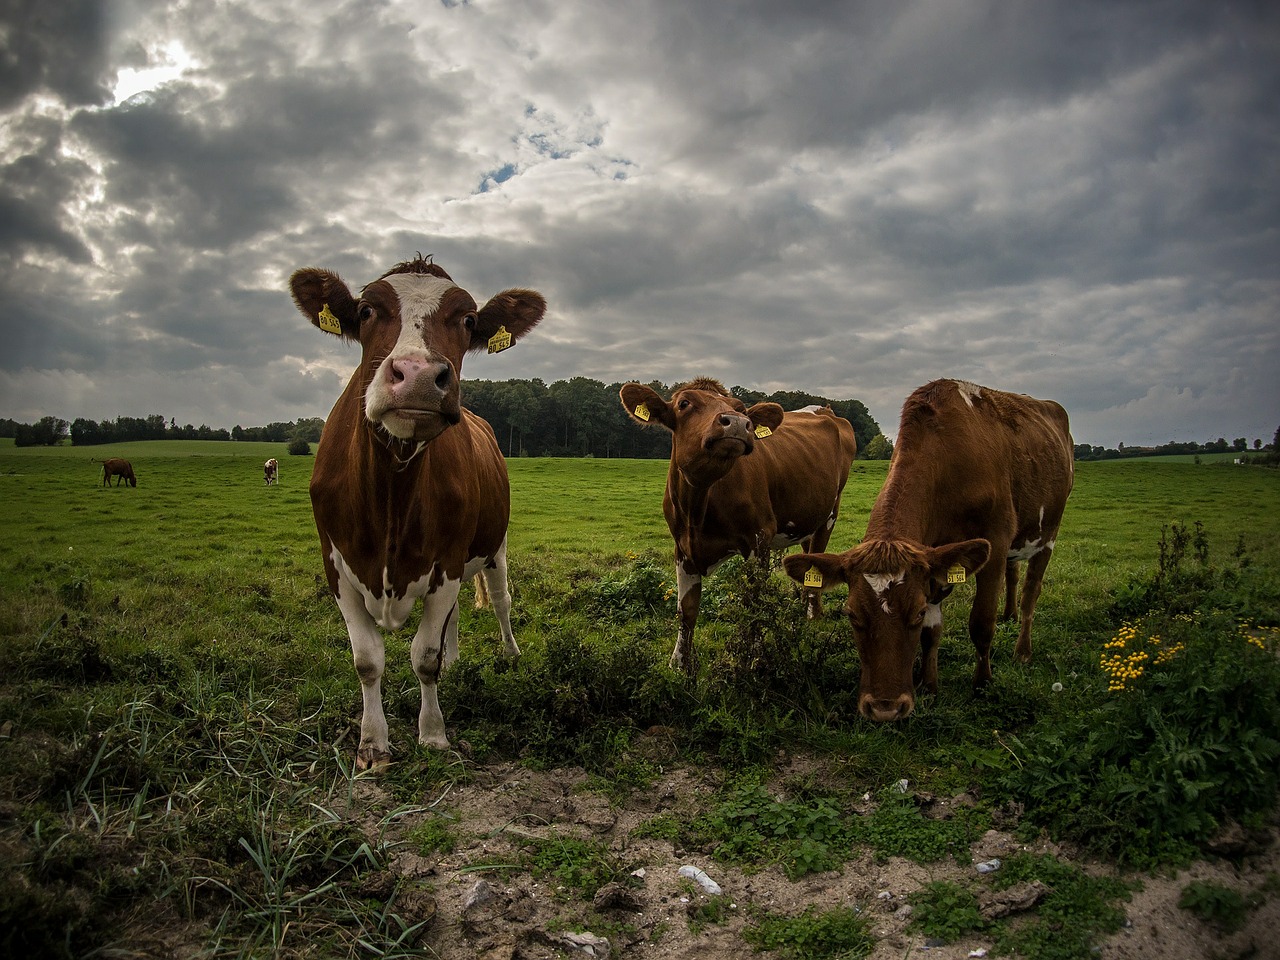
(409, 489)
(120, 469)
(271, 471)
(976, 475)
(741, 481)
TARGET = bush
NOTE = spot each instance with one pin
(1189, 733)
(299, 447)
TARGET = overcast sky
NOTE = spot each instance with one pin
(1072, 199)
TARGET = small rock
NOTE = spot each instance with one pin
(988, 866)
(480, 894)
(701, 879)
(587, 943)
(1022, 896)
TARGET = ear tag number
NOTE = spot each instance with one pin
(955, 574)
(499, 341)
(761, 432)
(328, 321)
(641, 412)
(813, 577)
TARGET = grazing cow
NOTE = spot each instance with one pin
(409, 489)
(977, 475)
(120, 469)
(742, 482)
(271, 471)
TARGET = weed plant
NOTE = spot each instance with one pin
(840, 934)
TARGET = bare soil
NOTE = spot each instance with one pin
(512, 915)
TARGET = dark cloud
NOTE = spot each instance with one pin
(1070, 199)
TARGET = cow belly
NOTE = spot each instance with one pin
(387, 610)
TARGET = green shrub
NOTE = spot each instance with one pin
(840, 934)
(1215, 904)
(946, 911)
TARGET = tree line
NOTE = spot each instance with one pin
(579, 417)
(1240, 445)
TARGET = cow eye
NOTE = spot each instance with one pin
(469, 321)
(918, 619)
(366, 312)
(682, 405)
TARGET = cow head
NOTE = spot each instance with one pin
(710, 429)
(414, 326)
(895, 589)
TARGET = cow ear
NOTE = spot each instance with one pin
(506, 318)
(967, 555)
(765, 417)
(325, 300)
(817, 571)
(645, 406)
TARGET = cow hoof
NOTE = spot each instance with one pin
(368, 758)
(440, 742)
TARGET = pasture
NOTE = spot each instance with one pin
(177, 705)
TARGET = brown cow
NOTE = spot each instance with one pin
(119, 468)
(742, 482)
(977, 474)
(409, 490)
(271, 471)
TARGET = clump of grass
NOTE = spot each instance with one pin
(840, 934)
(576, 866)
(946, 911)
(1223, 907)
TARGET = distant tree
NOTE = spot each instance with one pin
(1257, 443)
(48, 432)
(1240, 443)
(8, 428)
(298, 447)
(878, 449)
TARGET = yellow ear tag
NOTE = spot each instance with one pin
(761, 432)
(328, 321)
(955, 574)
(499, 341)
(642, 412)
(813, 577)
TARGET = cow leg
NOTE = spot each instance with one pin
(982, 619)
(369, 654)
(689, 587)
(495, 581)
(930, 636)
(1010, 589)
(1030, 594)
(427, 653)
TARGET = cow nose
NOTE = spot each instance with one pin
(412, 374)
(885, 710)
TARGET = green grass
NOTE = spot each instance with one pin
(181, 695)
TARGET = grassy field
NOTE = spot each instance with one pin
(171, 663)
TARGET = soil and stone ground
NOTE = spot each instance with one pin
(513, 915)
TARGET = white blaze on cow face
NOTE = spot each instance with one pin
(880, 583)
(419, 296)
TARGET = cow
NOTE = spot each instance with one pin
(119, 468)
(409, 490)
(271, 471)
(741, 481)
(978, 482)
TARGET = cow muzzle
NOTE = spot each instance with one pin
(883, 710)
(414, 398)
(730, 436)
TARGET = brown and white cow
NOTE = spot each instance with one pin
(119, 468)
(409, 489)
(271, 471)
(741, 481)
(977, 475)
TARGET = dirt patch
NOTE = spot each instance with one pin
(510, 914)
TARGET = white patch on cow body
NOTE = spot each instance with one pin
(1027, 550)
(933, 615)
(1042, 518)
(388, 611)
(811, 408)
(969, 391)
